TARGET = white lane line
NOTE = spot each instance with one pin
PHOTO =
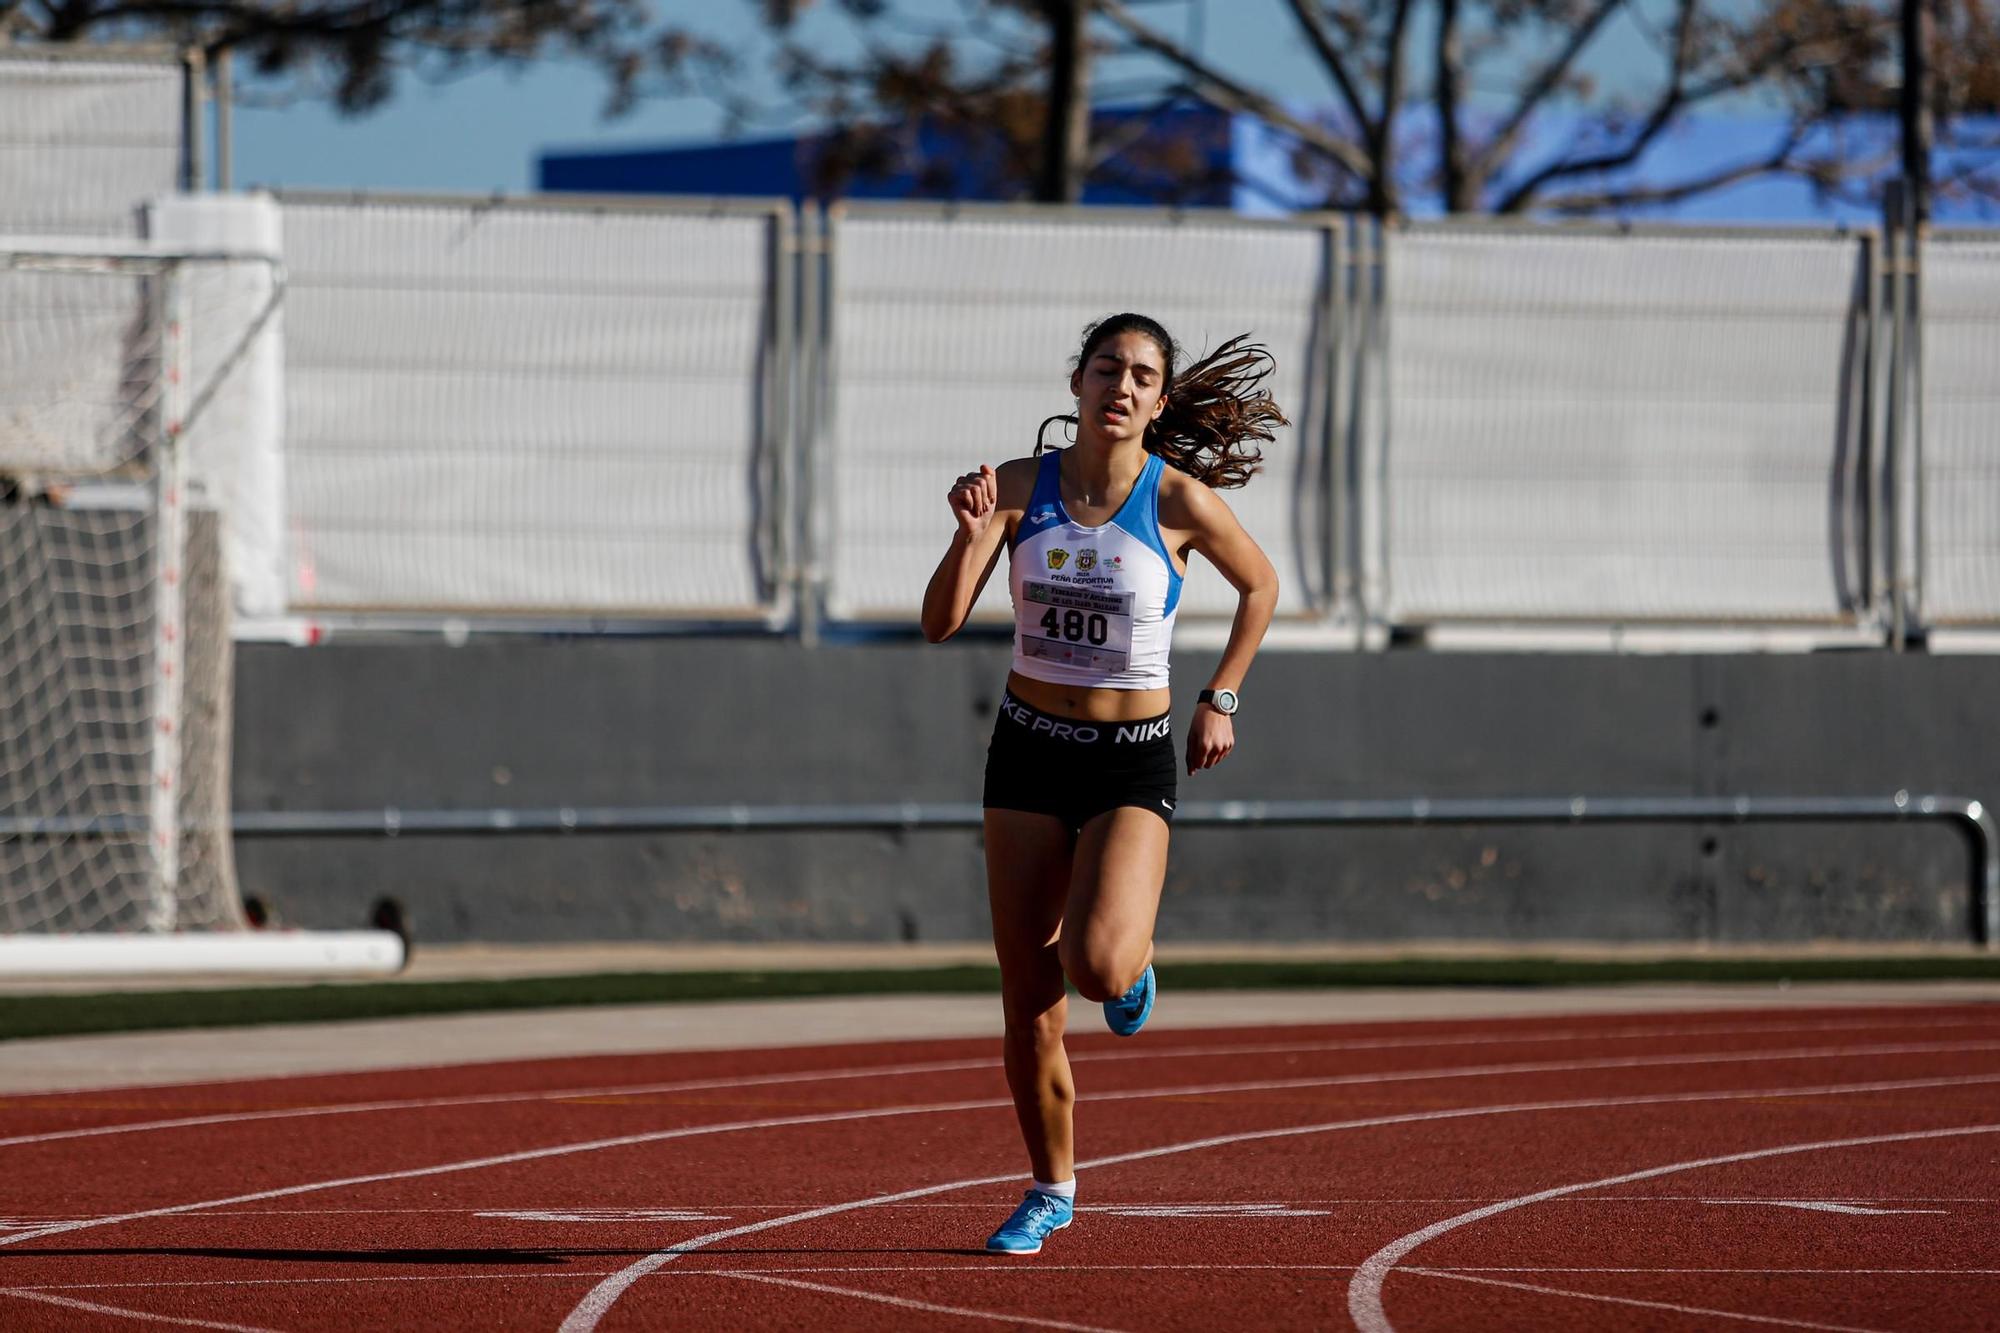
(1249, 1210)
(1825, 1206)
(605, 1294)
(599, 1300)
(1762, 1272)
(947, 1067)
(501, 1098)
(144, 1316)
(625, 1216)
(874, 1113)
(501, 1159)
(1645, 1305)
(908, 1304)
(1364, 1294)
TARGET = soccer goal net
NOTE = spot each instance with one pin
(115, 646)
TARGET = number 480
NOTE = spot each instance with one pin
(1073, 626)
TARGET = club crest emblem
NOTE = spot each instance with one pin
(1058, 558)
(1086, 560)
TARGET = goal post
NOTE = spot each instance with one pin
(115, 647)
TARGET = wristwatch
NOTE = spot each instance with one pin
(1222, 701)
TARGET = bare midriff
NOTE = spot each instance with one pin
(1088, 703)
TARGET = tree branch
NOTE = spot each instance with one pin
(1311, 21)
(1446, 91)
(1671, 101)
(1383, 198)
(1544, 84)
(1771, 163)
(1219, 90)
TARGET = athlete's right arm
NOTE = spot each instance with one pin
(986, 505)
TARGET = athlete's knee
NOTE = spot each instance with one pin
(1101, 973)
(1034, 1012)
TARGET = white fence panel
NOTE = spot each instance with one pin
(84, 143)
(1601, 427)
(1961, 446)
(532, 408)
(953, 334)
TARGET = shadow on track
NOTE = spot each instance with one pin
(539, 1255)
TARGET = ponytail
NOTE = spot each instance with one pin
(1217, 412)
(1217, 415)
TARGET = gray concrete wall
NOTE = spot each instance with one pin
(535, 722)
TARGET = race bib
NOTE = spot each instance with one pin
(1076, 626)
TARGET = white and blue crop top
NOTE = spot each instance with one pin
(1093, 606)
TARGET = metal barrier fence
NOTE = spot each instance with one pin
(690, 412)
(1589, 424)
(1959, 525)
(87, 136)
(539, 407)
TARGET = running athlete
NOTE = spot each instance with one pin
(1080, 776)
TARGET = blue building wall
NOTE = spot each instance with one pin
(1184, 151)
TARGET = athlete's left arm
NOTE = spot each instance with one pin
(1206, 524)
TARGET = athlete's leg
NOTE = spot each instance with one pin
(1027, 877)
(1116, 876)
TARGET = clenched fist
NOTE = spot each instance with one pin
(973, 498)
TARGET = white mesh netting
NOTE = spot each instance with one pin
(114, 637)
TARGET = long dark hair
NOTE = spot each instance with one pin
(1217, 413)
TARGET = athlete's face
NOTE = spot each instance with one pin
(1118, 387)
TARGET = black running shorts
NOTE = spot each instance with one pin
(1049, 765)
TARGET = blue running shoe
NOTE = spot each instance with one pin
(1038, 1216)
(1129, 1012)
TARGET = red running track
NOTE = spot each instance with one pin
(1816, 1169)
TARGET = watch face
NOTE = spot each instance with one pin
(1225, 701)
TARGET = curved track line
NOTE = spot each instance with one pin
(833, 1117)
(599, 1300)
(1364, 1293)
(934, 1067)
(926, 1306)
(143, 1316)
(1646, 1305)
(501, 1159)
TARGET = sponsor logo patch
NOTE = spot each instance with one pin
(1058, 557)
(1086, 560)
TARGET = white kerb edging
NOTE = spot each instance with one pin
(245, 953)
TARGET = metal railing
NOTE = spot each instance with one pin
(1902, 806)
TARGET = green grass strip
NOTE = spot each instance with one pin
(132, 1011)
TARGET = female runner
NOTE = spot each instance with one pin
(1080, 777)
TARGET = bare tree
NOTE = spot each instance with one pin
(1505, 110)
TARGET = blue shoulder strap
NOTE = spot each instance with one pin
(1141, 518)
(1045, 502)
